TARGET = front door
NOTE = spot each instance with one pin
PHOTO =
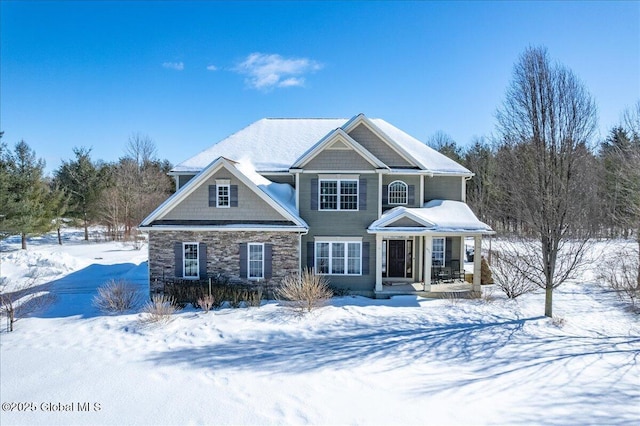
(397, 258)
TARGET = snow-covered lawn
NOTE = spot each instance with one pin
(356, 361)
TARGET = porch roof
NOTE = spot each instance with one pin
(435, 217)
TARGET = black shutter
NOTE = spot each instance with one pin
(447, 250)
(310, 255)
(243, 260)
(268, 260)
(411, 196)
(314, 194)
(212, 195)
(365, 258)
(385, 195)
(202, 261)
(362, 196)
(233, 196)
(177, 253)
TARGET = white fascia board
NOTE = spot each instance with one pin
(341, 135)
(225, 228)
(469, 175)
(362, 119)
(402, 213)
(422, 231)
(185, 191)
(208, 171)
(411, 172)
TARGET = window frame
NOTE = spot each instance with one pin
(184, 261)
(443, 251)
(226, 196)
(331, 259)
(340, 196)
(249, 260)
(393, 199)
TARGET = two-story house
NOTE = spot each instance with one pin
(359, 201)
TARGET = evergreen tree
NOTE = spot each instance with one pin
(82, 180)
(27, 209)
(4, 186)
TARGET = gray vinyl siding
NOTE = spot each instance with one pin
(338, 159)
(183, 179)
(378, 147)
(250, 206)
(409, 180)
(405, 222)
(280, 178)
(342, 224)
(443, 188)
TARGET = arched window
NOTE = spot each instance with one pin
(398, 192)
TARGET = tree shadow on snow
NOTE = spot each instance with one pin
(497, 355)
(73, 294)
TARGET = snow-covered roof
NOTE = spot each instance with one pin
(436, 216)
(428, 157)
(274, 145)
(270, 144)
(279, 196)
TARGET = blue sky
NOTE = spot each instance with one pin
(188, 74)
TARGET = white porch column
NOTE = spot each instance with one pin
(463, 253)
(378, 262)
(477, 259)
(428, 247)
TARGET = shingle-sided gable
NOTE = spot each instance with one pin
(196, 206)
(338, 151)
(378, 147)
(248, 202)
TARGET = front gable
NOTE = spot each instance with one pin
(378, 143)
(242, 204)
(221, 195)
(378, 147)
(338, 151)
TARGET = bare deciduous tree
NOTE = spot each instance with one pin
(546, 124)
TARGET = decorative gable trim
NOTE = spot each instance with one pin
(401, 214)
(337, 139)
(361, 119)
(201, 179)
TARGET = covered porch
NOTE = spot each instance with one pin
(423, 250)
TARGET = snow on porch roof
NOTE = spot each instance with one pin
(438, 216)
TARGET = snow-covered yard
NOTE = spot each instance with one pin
(405, 360)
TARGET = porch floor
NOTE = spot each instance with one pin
(462, 288)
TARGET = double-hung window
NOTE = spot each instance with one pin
(338, 194)
(190, 260)
(437, 252)
(256, 261)
(338, 257)
(223, 195)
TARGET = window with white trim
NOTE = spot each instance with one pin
(190, 265)
(223, 195)
(338, 194)
(255, 259)
(437, 252)
(398, 192)
(338, 257)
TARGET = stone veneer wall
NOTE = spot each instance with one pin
(223, 253)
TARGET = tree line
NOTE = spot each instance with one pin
(546, 179)
(609, 172)
(116, 194)
(543, 176)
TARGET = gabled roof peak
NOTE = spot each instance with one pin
(275, 144)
